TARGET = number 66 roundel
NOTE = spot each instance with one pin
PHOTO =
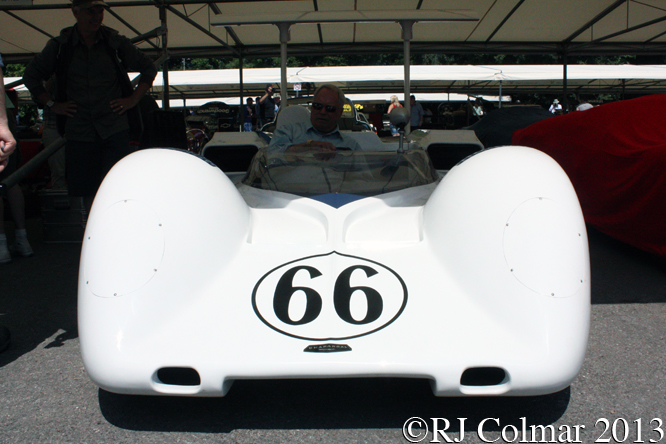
(328, 297)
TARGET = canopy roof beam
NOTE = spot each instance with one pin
(307, 49)
(234, 51)
(506, 18)
(626, 31)
(321, 36)
(113, 4)
(234, 36)
(596, 19)
(133, 29)
(27, 23)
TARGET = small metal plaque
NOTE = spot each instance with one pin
(327, 348)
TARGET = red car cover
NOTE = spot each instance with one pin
(615, 156)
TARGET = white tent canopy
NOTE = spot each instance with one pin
(248, 27)
(210, 85)
(356, 98)
(478, 80)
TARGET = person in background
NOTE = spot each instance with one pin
(584, 106)
(93, 94)
(395, 103)
(7, 147)
(248, 114)
(555, 108)
(15, 198)
(416, 113)
(7, 141)
(267, 105)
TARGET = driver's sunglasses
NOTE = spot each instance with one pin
(329, 108)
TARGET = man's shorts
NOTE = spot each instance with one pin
(88, 162)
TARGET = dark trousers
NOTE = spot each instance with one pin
(88, 162)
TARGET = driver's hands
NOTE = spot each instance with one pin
(312, 145)
(323, 150)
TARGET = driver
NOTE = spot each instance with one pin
(322, 133)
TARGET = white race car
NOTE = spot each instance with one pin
(360, 264)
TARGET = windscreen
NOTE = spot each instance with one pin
(349, 172)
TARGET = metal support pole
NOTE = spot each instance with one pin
(165, 65)
(407, 26)
(30, 166)
(624, 87)
(565, 85)
(500, 95)
(285, 36)
(241, 109)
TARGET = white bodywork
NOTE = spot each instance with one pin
(486, 268)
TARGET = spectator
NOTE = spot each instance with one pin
(93, 94)
(584, 106)
(395, 103)
(248, 114)
(7, 141)
(416, 113)
(555, 108)
(267, 105)
(8, 164)
(7, 146)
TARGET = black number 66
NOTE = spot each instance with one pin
(342, 294)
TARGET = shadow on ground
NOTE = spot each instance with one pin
(323, 404)
(622, 274)
(38, 295)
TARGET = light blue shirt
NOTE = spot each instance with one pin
(295, 133)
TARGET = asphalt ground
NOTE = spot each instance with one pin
(46, 396)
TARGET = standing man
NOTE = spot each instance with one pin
(416, 113)
(93, 94)
(555, 108)
(248, 115)
(267, 105)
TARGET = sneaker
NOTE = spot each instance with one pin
(22, 247)
(5, 338)
(5, 257)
